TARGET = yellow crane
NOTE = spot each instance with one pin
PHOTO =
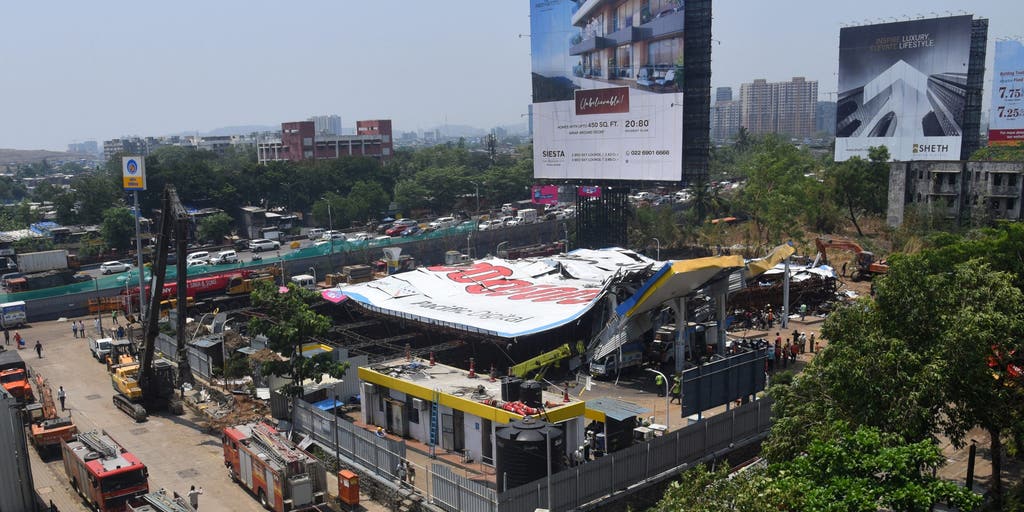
(540, 363)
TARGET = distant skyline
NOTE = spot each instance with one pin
(77, 71)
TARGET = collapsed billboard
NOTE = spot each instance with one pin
(607, 89)
(904, 86)
(1006, 120)
(497, 297)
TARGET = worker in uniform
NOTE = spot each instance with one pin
(675, 391)
(659, 382)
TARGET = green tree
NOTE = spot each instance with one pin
(913, 362)
(861, 187)
(288, 321)
(94, 193)
(410, 195)
(862, 469)
(118, 228)
(774, 195)
(215, 227)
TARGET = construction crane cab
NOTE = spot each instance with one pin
(864, 262)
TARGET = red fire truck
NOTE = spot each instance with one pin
(281, 476)
(103, 472)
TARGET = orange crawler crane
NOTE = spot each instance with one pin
(48, 427)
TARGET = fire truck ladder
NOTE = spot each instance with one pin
(274, 447)
(94, 440)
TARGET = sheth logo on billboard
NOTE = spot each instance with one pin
(931, 148)
(613, 100)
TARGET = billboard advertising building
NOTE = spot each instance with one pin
(608, 89)
(905, 86)
(1006, 120)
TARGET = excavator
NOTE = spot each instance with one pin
(148, 384)
(47, 426)
(865, 264)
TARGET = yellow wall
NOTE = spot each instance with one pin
(486, 412)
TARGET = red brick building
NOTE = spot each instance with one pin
(299, 141)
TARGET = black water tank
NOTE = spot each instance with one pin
(529, 393)
(510, 388)
(522, 450)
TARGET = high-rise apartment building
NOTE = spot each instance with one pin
(327, 125)
(779, 107)
(725, 120)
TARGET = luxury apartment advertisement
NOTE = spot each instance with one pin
(1006, 121)
(607, 89)
(903, 85)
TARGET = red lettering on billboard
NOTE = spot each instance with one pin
(613, 100)
(492, 281)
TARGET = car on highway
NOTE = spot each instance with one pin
(114, 267)
(399, 226)
(412, 230)
(358, 237)
(332, 235)
(443, 222)
(202, 256)
(263, 244)
(224, 258)
(488, 225)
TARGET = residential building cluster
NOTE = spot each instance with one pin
(790, 108)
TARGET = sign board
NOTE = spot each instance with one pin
(1006, 121)
(544, 194)
(133, 173)
(607, 90)
(903, 86)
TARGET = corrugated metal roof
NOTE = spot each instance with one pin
(616, 409)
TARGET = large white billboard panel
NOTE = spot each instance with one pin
(607, 90)
(904, 86)
(1006, 121)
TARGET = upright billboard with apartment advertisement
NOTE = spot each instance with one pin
(904, 86)
(607, 89)
(1006, 121)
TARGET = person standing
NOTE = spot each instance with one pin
(771, 359)
(803, 312)
(17, 339)
(81, 327)
(74, 329)
(803, 342)
(113, 317)
(62, 395)
(39, 349)
(794, 349)
(193, 497)
(412, 473)
(771, 317)
(675, 391)
(659, 382)
(814, 344)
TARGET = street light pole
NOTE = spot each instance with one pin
(658, 242)
(476, 186)
(668, 399)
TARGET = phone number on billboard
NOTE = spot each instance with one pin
(646, 152)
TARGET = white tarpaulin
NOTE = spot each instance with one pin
(505, 298)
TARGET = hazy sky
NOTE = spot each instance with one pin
(75, 70)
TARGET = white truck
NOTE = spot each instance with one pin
(630, 355)
(42, 261)
(527, 216)
(13, 314)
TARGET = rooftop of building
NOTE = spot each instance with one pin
(418, 377)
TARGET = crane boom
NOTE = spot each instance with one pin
(520, 370)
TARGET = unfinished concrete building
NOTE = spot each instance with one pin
(955, 190)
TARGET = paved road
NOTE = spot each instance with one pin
(177, 452)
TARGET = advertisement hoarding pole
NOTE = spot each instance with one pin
(138, 253)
